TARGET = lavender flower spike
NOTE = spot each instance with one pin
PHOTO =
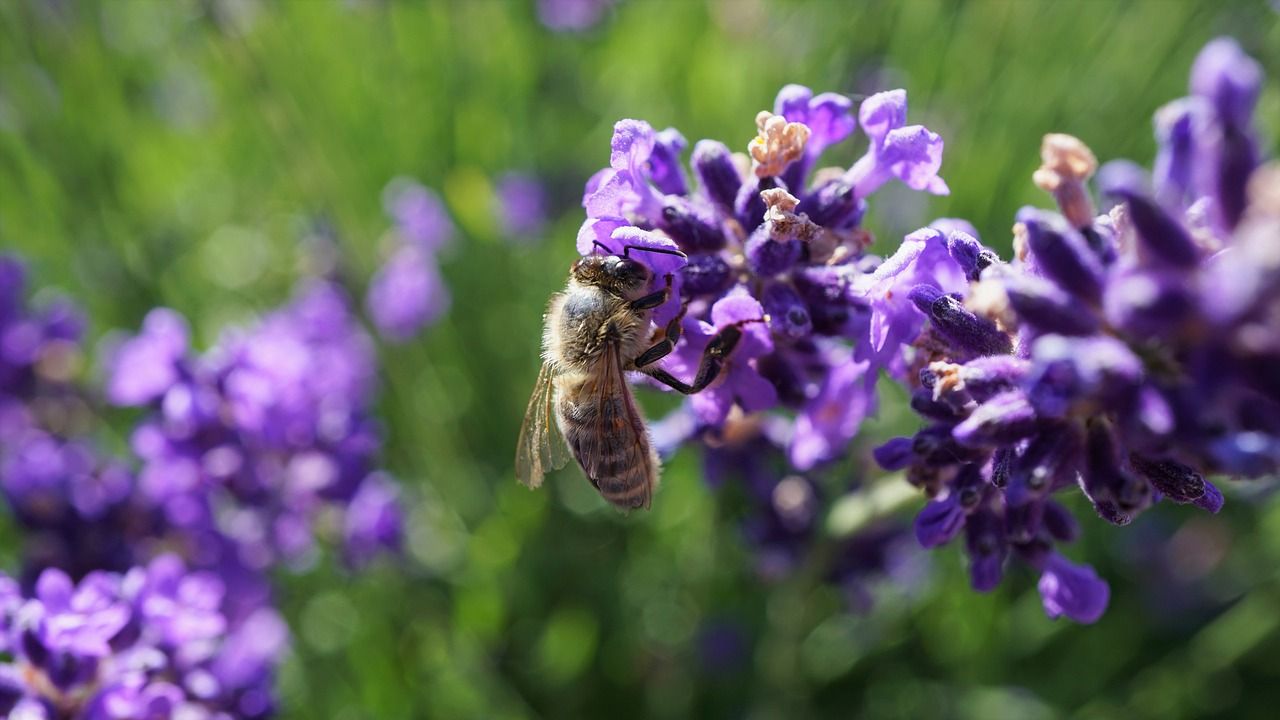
(1138, 353)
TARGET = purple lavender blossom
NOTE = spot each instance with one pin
(407, 294)
(419, 214)
(1128, 354)
(522, 205)
(774, 246)
(263, 434)
(149, 643)
(795, 250)
(151, 359)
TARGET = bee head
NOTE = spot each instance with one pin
(619, 275)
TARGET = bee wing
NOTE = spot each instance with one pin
(541, 445)
(615, 450)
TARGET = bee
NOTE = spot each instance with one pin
(598, 328)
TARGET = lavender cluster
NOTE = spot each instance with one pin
(150, 643)
(766, 241)
(264, 440)
(1129, 353)
(775, 245)
(76, 507)
(247, 456)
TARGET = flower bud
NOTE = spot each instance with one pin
(970, 332)
(1062, 254)
(1005, 418)
(713, 164)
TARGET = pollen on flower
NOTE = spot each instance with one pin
(783, 221)
(948, 378)
(778, 201)
(778, 144)
(1066, 163)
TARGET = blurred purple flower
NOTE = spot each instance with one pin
(572, 15)
(149, 643)
(407, 294)
(1072, 590)
(145, 367)
(419, 214)
(522, 205)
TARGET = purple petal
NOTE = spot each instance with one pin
(895, 454)
(1062, 254)
(1211, 500)
(832, 418)
(631, 146)
(939, 522)
(1072, 590)
(598, 230)
(881, 113)
(373, 521)
(1004, 418)
(914, 155)
(739, 307)
(609, 194)
(712, 405)
(145, 366)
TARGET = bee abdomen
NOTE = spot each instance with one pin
(615, 456)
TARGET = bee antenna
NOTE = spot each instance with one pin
(607, 250)
(626, 250)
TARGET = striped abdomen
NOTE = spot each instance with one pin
(604, 430)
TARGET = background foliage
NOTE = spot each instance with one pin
(188, 154)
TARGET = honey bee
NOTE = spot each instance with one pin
(595, 330)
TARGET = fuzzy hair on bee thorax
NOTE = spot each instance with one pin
(584, 320)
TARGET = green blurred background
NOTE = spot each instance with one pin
(190, 154)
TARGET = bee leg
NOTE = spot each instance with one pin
(670, 336)
(713, 359)
(653, 299)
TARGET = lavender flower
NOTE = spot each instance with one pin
(781, 250)
(152, 642)
(775, 248)
(1123, 354)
